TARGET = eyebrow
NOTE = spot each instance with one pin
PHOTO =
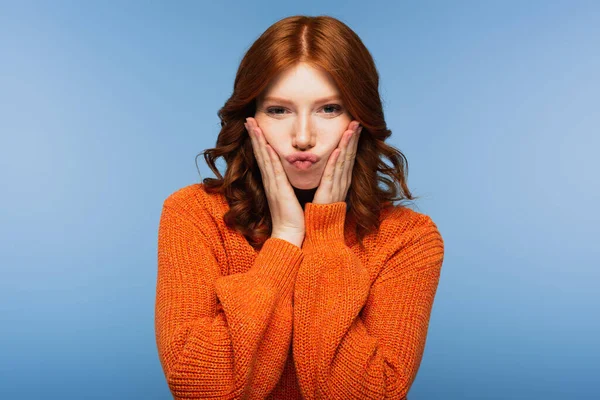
(286, 101)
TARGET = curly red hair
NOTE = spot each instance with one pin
(325, 42)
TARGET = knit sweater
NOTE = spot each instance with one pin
(327, 320)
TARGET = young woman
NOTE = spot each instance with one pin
(294, 275)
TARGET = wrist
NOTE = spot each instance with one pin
(295, 238)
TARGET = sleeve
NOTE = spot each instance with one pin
(352, 339)
(221, 336)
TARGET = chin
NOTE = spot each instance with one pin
(304, 180)
(306, 186)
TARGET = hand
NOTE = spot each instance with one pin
(337, 176)
(287, 214)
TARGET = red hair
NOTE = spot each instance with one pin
(327, 43)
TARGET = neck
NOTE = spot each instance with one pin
(305, 195)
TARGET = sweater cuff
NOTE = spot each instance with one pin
(325, 222)
(278, 261)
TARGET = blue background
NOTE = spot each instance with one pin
(104, 106)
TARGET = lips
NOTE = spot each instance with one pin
(301, 156)
(303, 165)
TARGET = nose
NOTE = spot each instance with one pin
(303, 137)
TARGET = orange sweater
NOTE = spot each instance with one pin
(324, 321)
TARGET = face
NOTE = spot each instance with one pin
(307, 115)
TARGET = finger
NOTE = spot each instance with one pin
(351, 150)
(342, 163)
(347, 139)
(280, 177)
(267, 158)
(253, 143)
(351, 157)
(327, 178)
(255, 146)
(267, 167)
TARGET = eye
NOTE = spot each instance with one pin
(274, 110)
(334, 106)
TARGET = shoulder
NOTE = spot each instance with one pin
(193, 195)
(193, 200)
(401, 226)
(409, 241)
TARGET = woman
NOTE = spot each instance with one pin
(290, 279)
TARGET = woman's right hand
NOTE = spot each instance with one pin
(286, 212)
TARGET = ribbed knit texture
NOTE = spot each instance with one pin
(323, 321)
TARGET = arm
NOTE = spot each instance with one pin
(353, 339)
(220, 336)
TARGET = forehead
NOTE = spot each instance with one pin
(301, 82)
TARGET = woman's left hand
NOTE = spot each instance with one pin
(337, 176)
